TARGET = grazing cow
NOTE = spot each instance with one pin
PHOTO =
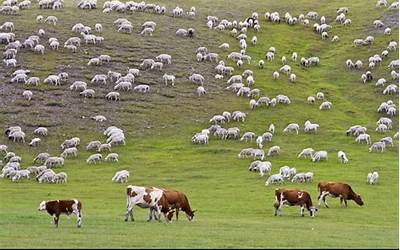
(337, 189)
(58, 207)
(144, 197)
(173, 201)
(293, 197)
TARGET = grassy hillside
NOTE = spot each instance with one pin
(234, 206)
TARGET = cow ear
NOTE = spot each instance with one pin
(194, 211)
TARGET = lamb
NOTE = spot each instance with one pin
(41, 157)
(363, 138)
(60, 178)
(224, 46)
(35, 142)
(377, 146)
(275, 178)
(248, 136)
(113, 157)
(3, 148)
(104, 146)
(387, 140)
(93, 145)
(274, 150)
(69, 151)
(169, 78)
(54, 162)
(342, 157)
(27, 94)
(94, 158)
(94, 61)
(287, 172)
(307, 152)
(200, 91)
(325, 105)
(299, 177)
(261, 166)
(292, 127)
(181, 32)
(319, 156)
(121, 176)
(113, 96)
(372, 178)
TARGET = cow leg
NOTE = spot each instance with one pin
(56, 218)
(129, 212)
(302, 210)
(177, 213)
(324, 199)
(276, 206)
(151, 214)
(157, 216)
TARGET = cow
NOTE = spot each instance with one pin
(293, 197)
(144, 197)
(57, 207)
(337, 189)
(173, 201)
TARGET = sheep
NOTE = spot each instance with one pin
(3, 149)
(93, 145)
(292, 127)
(292, 77)
(200, 91)
(358, 42)
(261, 166)
(11, 62)
(309, 127)
(307, 152)
(342, 157)
(254, 40)
(51, 20)
(99, 118)
(387, 140)
(69, 151)
(99, 78)
(34, 142)
(27, 94)
(87, 93)
(372, 178)
(20, 174)
(325, 105)
(377, 146)
(261, 64)
(94, 159)
(124, 86)
(200, 138)
(98, 27)
(113, 157)
(41, 157)
(274, 150)
(285, 69)
(287, 172)
(248, 136)
(121, 176)
(169, 78)
(48, 175)
(94, 61)
(197, 78)
(275, 75)
(382, 128)
(269, 56)
(113, 96)
(60, 178)
(310, 100)
(319, 156)
(54, 161)
(104, 146)
(17, 136)
(238, 116)
(78, 86)
(275, 178)
(363, 138)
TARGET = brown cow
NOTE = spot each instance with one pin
(337, 189)
(58, 207)
(293, 197)
(173, 201)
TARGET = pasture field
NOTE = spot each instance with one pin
(234, 207)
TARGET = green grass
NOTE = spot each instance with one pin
(234, 206)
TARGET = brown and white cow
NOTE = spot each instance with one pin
(337, 189)
(173, 201)
(293, 197)
(144, 197)
(57, 207)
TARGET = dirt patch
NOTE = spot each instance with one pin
(390, 19)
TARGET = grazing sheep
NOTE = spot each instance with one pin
(319, 156)
(275, 75)
(311, 100)
(94, 158)
(292, 127)
(169, 78)
(54, 161)
(342, 157)
(41, 157)
(274, 150)
(35, 142)
(27, 94)
(261, 64)
(261, 166)
(292, 77)
(121, 176)
(382, 128)
(325, 105)
(275, 178)
(363, 138)
(387, 140)
(69, 151)
(113, 157)
(248, 136)
(307, 152)
(104, 146)
(113, 96)
(377, 146)
(372, 178)
(287, 172)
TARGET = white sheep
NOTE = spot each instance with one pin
(275, 178)
(27, 94)
(342, 157)
(325, 105)
(274, 150)
(319, 156)
(292, 127)
(372, 178)
(113, 157)
(307, 152)
(94, 158)
(121, 176)
(34, 142)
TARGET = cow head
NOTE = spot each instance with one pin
(190, 214)
(42, 206)
(313, 210)
(358, 200)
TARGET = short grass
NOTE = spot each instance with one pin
(234, 206)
